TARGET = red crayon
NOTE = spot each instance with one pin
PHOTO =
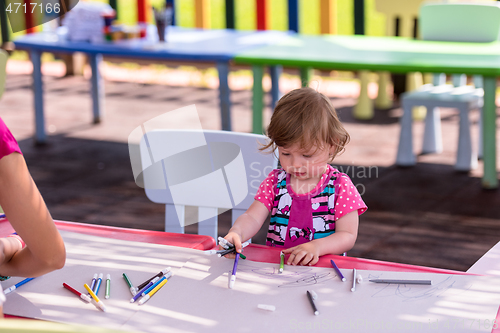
(76, 292)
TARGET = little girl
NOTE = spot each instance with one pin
(314, 207)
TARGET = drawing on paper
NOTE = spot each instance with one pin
(294, 276)
(308, 280)
(411, 293)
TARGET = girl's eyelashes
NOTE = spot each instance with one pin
(304, 155)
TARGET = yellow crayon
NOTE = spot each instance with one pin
(98, 302)
(152, 292)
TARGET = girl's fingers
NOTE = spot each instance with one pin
(314, 261)
(237, 245)
(290, 259)
(297, 257)
(308, 258)
(236, 241)
(300, 257)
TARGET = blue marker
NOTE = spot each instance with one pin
(98, 284)
(164, 277)
(17, 285)
(92, 284)
(139, 293)
(338, 271)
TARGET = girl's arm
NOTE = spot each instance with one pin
(247, 225)
(28, 215)
(346, 232)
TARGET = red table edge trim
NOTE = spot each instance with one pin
(199, 242)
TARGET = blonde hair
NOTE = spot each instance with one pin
(306, 117)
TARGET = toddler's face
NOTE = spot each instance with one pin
(304, 164)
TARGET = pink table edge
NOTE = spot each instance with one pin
(199, 242)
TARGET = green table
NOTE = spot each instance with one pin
(393, 54)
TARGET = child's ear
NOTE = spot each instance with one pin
(332, 150)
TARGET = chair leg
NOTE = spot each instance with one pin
(433, 142)
(174, 218)
(466, 156)
(383, 101)
(414, 81)
(480, 135)
(439, 79)
(405, 156)
(364, 108)
(207, 225)
(459, 80)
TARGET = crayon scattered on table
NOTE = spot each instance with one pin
(313, 305)
(132, 289)
(108, 286)
(17, 285)
(97, 303)
(334, 265)
(86, 298)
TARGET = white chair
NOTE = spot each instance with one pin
(466, 22)
(463, 98)
(208, 169)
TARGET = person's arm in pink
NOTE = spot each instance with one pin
(29, 216)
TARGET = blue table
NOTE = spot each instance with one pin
(212, 46)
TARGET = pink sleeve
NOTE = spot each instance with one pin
(348, 197)
(8, 143)
(267, 189)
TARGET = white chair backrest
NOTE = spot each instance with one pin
(460, 22)
(208, 169)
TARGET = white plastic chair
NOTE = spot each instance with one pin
(465, 22)
(463, 98)
(208, 169)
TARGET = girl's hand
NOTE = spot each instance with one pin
(305, 254)
(8, 247)
(235, 239)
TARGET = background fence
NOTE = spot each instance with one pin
(344, 17)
